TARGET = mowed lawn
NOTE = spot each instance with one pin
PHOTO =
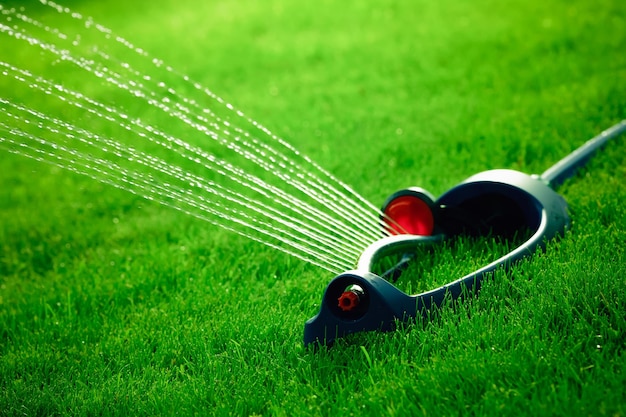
(114, 305)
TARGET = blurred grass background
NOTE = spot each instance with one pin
(112, 305)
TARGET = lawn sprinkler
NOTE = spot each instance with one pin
(500, 202)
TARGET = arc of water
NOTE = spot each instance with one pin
(115, 78)
(113, 115)
(152, 162)
(192, 114)
(168, 195)
(100, 143)
(372, 215)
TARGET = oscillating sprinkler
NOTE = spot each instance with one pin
(500, 202)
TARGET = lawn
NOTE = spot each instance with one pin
(111, 304)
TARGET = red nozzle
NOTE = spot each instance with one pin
(350, 298)
(409, 214)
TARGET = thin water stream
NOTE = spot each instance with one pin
(85, 99)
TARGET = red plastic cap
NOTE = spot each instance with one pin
(410, 215)
(348, 300)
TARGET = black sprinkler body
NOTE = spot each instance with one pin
(497, 202)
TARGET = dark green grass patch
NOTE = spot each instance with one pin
(112, 305)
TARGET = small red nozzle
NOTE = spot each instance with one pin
(348, 300)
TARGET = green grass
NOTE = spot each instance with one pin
(112, 305)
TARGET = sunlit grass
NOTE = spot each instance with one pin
(110, 304)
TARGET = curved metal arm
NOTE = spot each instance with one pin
(391, 245)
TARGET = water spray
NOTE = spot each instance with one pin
(502, 202)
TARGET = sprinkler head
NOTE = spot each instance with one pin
(498, 202)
